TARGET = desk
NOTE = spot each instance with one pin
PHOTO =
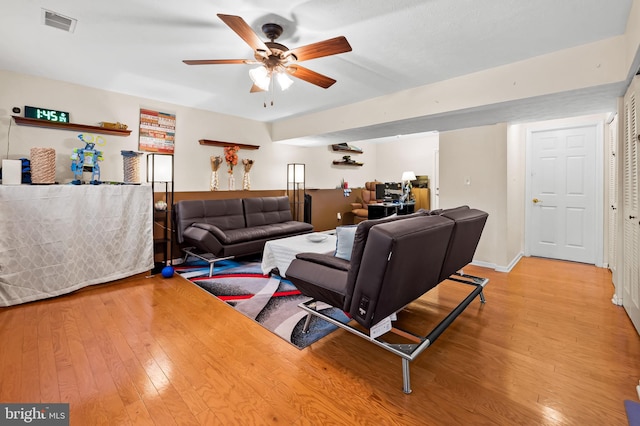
(55, 239)
(378, 211)
(281, 252)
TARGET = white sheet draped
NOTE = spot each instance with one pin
(55, 239)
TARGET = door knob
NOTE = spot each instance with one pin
(536, 201)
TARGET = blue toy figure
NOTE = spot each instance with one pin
(86, 160)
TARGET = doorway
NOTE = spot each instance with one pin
(564, 193)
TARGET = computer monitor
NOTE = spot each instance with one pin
(393, 190)
(380, 191)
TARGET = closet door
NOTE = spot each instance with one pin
(631, 221)
(613, 196)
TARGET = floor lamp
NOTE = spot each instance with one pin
(296, 179)
(160, 171)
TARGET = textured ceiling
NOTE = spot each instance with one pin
(137, 47)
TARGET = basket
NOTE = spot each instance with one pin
(131, 160)
(43, 165)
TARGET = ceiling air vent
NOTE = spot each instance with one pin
(55, 20)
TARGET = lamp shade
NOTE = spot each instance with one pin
(260, 76)
(295, 173)
(283, 80)
(408, 176)
(159, 168)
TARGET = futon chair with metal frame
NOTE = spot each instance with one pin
(394, 261)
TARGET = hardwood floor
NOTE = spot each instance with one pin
(548, 347)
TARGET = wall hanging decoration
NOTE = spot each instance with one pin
(246, 181)
(131, 164)
(157, 131)
(216, 161)
(231, 157)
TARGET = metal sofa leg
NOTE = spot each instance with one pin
(207, 257)
(307, 321)
(406, 380)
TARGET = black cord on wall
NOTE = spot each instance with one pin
(8, 136)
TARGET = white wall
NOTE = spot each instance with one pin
(473, 171)
(404, 153)
(384, 161)
(516, 181)
(192, 160)
(491, 156)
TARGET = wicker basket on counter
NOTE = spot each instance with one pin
(43, 165)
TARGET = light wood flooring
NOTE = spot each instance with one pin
(548, 348)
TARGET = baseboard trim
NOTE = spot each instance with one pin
(616, 300)
(497, 268)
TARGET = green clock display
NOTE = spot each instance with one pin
(46, 114)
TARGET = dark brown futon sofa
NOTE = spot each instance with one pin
(394, 261)
(221, 229)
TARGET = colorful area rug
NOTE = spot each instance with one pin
(271, 301)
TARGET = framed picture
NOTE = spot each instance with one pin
(157, 131)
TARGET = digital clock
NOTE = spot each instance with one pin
(46, 114)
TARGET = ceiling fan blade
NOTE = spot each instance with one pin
(216, 61)
(255, 89)
(333, 46)
(310, 76)
(245, 32)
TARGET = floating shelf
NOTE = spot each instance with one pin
(342, 149)
(223, 144)
(34, 122)
(347, 163)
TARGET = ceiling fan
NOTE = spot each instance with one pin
(275, 60)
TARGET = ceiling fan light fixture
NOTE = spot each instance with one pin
(284, 81)
(260, 77)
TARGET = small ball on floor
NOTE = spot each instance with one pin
(167, 271)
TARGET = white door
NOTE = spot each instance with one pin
(631, 224)
(561, 209)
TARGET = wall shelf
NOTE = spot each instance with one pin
(336, 147)
(24, 121)
(223, 144)
(346, 163)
